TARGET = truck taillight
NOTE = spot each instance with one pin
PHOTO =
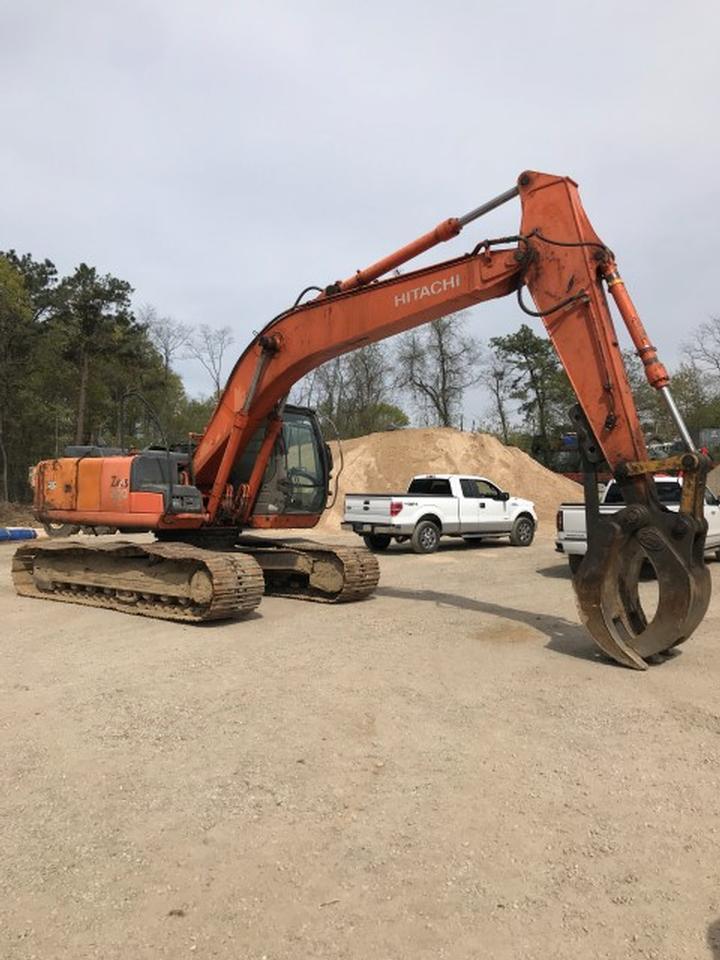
(395, 507)
(559, 521)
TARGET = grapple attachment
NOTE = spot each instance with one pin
(623, 545)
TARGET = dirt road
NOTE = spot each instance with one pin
(446, 771)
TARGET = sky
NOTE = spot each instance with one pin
(221, 156)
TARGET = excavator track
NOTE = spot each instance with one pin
(169, 581)
(308, 570)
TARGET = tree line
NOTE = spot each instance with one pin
(424, 376)
(421, 375)
(79, 366)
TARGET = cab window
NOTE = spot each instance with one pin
(614, 494)
(296, 476)
(487, 490)
(668, 492)
(304, 470)
(431, 485)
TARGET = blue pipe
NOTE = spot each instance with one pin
(17, 533)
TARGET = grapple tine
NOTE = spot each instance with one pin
(606, 584)
(599, 598)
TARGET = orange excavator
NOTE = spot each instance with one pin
(262, 464)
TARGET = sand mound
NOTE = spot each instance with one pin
(385, 463)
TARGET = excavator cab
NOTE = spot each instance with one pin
(297, 477)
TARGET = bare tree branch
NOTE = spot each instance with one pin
(208, 347)
(354, 392)
(496, 378)
(703, 347)
(167, 335)
(436, 365)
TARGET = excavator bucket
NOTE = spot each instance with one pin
(646, 539)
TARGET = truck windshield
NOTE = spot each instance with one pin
(434, 485)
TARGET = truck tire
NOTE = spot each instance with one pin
(426, 537)
(523, 532)
(377, 542)
(575, 559)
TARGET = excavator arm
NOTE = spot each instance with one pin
(556, 254)
(566, 269)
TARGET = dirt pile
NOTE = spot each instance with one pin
(385, 463)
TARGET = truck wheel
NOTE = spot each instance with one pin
(575, 559)
(523, 532)
(426, 537)
(377, 541)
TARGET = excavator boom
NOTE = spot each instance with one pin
(566, 269)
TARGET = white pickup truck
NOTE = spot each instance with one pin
(570, 522)
(438, 505)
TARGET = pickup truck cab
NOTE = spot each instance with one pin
(571, 536)
(438, 505)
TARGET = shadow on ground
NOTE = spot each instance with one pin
(559, 571)
(713, 939)
(564, 637)
(449, 544)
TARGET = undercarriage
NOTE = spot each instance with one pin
(187, 582)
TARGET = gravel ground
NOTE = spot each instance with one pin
(448, 770)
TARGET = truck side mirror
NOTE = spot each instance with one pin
(503, 495)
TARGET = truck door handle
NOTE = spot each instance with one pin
(482, 505)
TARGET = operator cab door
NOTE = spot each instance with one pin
(492, 509)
